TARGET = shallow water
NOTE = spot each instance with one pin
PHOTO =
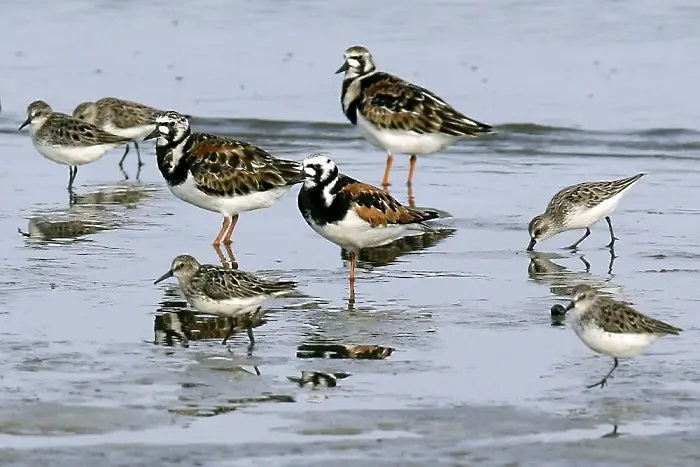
(478, 375)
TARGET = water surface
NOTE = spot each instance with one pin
(99, 363)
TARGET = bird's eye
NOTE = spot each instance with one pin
(537, 232)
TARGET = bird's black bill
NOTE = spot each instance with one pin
(167, 275)
(25, 123)
(154, 134)
(298, 178)
(531, 245)
(569, 306)
(343, 68)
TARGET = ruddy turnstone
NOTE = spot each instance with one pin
(613, 328)
(219, 174)
(67, 140)
(352, 214)
(220, 291)
(399, 116)
(578, 207)
(120, 117)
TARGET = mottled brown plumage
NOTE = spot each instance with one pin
(588, 194)
(613, 327)
(397, 115)
(226, 167)
(63, 130)
(378, 208)
(224, 292)
(352, 214)
(619, 317)
(67, 140)
(580, 206)
(217, 173)
(119, 112)
(392, 103)
(219, 283)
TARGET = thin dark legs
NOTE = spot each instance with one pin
(610, 245)
(72, 172)
(121, 161)
(230, 332)
(126, 151)
(612, 260)
(249, 330)
(612, 234)
(577, 243)
(604, 381)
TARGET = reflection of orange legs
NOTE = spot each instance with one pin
(353, 261)
(222, 258)
(411, 199)
(227, 238)
(224, 262)
(389, 163)
(224, 226)
(412, 170)
(234, 263)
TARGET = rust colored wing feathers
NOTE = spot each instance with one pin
(225, 167)
(379, 208)
(392, 103)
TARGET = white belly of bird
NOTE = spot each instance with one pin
(404, 142)
(583, 217)
(353, 233)
(620, 345)
(227, 205)
(135, 132)
(231, 307)
(73, 155)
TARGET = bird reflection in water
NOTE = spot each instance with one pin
(541, 266)
(314, 379)
(409, 194)
(542, 269)
(46, 229)
(613, 434)
(125, 194)
(388, 254)
(230, 262)
(175, 324)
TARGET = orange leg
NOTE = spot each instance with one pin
(353, 260)
(389, 163)
(412, 170)
(227, 238)
(411, 198)
(224, 226)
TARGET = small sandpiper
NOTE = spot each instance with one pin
(120, 117)
(352, 214)
(613, 328)
(220, 291)
(399, 116)
(67, 140)
(579, 207)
